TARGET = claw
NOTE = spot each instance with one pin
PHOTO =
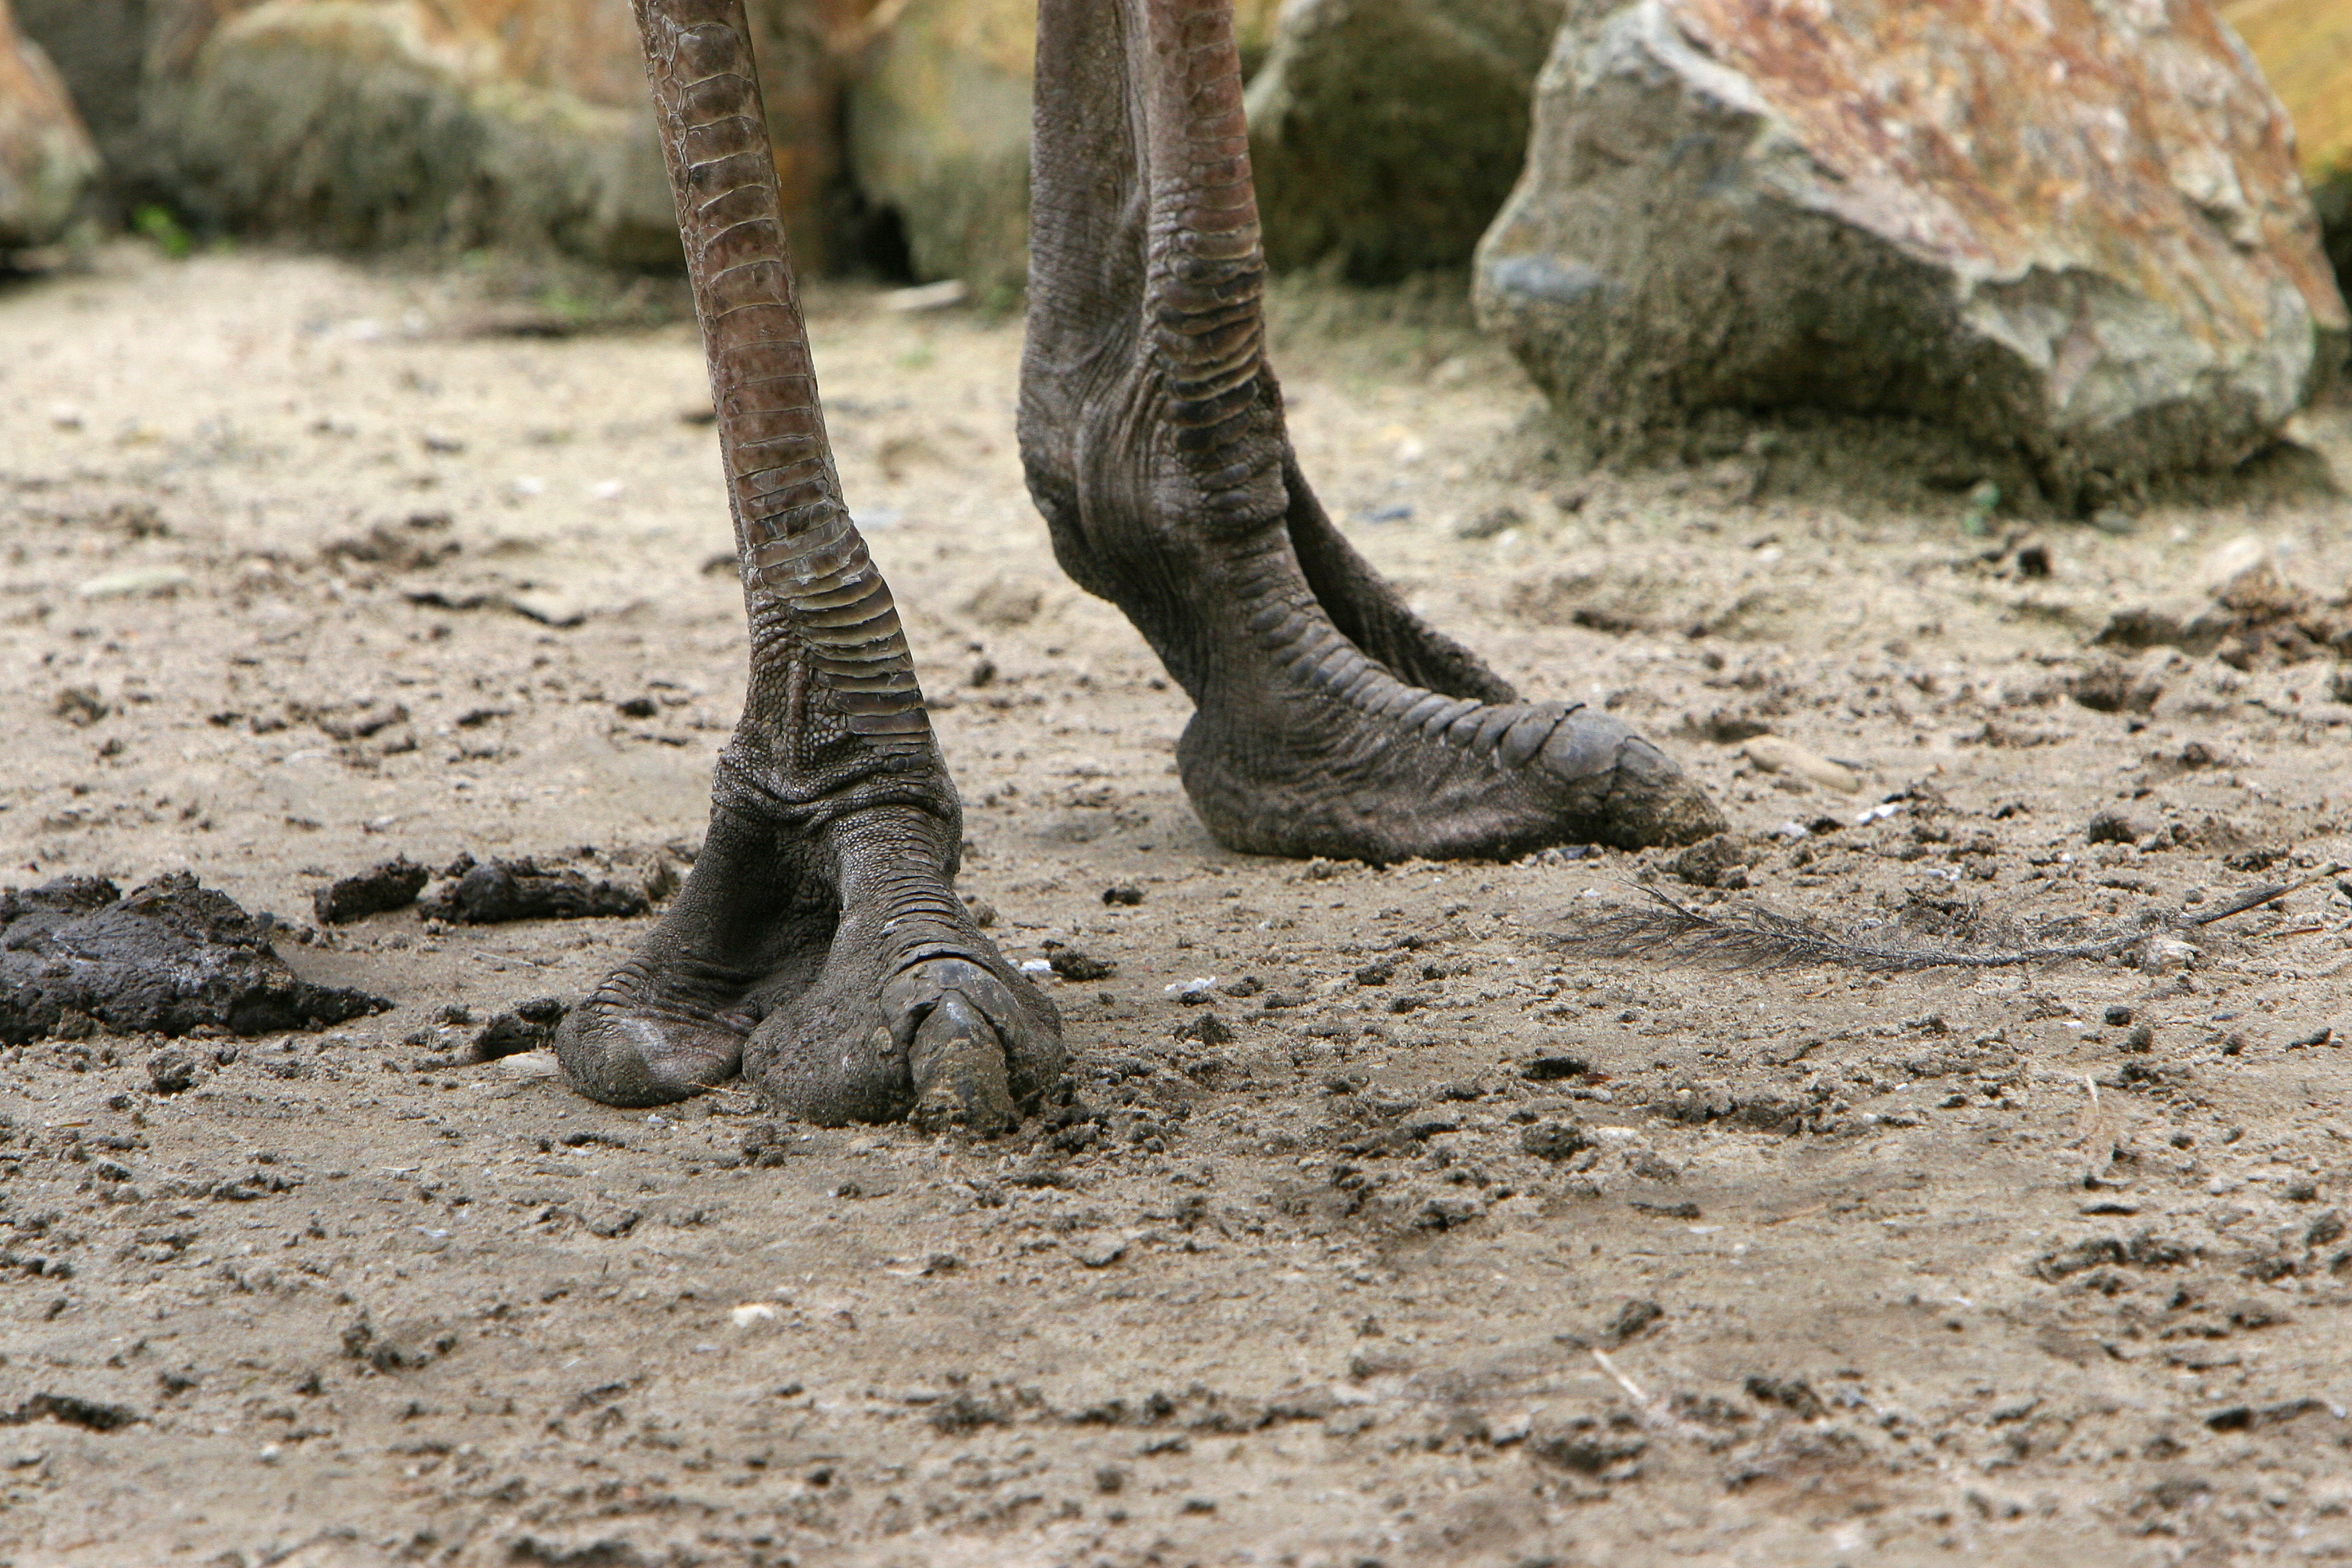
(957, 1064)
(1586, 745)
(626, 1058)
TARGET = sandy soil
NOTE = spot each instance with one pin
(1447, 1247)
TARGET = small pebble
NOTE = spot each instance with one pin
(1099, 1253)
(1778, 754)
(1486, 524)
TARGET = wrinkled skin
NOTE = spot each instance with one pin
(818, 947)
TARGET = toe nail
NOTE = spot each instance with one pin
(1587, 746)
(958, 1065)
(1526, 738)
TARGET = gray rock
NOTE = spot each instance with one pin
(939, 132)
(1387, 132)
(47, 161)
(99, 48)
(2111, 270)
(366, 126)
(938, 120)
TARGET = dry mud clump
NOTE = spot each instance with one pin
(77, 957)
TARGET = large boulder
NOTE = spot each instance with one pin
(939, 130)
(939, 135)
(1386, 134)
(2073, 232)
(371, 123)
(365, 123)
(47, 161)
(97, 47)
(2305, 47)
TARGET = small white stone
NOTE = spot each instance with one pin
(136, 580)
(2166, 955)
(751, 1312)
(1779, 754)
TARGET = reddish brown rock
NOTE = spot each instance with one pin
(46, 157)
(2070, 231)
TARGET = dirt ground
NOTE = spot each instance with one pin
(1441, 1246)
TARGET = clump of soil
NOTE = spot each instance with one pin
(497, 890)
(170, 957)
(392, 885)
(419, 543)
(2258, 620)
(527, 1027)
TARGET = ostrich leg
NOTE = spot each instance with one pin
(818, 946)
(1329, 720)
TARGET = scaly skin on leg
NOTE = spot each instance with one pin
(1331, 721)
(817, 946)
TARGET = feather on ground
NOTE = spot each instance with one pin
(1751, 936)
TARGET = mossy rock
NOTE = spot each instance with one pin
(364, 126)
(1385, 134)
